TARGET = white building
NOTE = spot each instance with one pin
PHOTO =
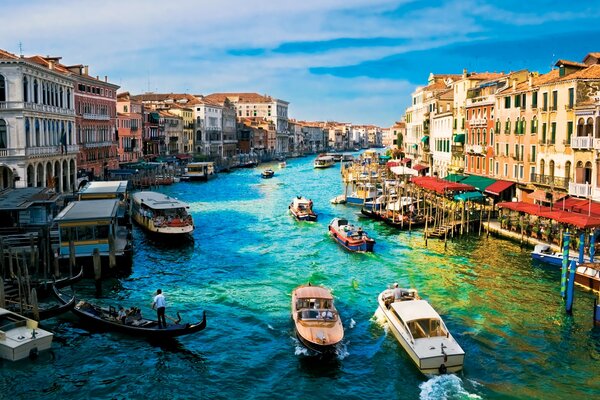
(37, 124)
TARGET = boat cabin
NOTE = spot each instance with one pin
(420, 319)
(199, 171)
(105, 190)
(314, 303)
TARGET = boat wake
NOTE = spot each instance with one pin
(299, 349)
(341, 351)
(445, 387)
(352, 323)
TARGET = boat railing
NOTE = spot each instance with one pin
(317, 314)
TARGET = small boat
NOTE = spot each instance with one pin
(107, 319)
(421, 332)
(161, 214)
(543, 253)
(317, 323)
(20, 337)
(351, 237)
(267, 173)
(301, 209)
(324, 162)
(282, 164)
(199, 171)
(588, 275)
(365, 193)
(341, 199)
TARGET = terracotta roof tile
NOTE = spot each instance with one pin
(239, 98)
(6, 54)
(570, 63)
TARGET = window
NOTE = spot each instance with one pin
(534, 123)
(507, 127)
(35, 91)
(533, 155)
(497, 169)
(553, 133)
(544, 101)
(462, 125)
(569, 132)
(505, 170)
(506, 152)
(571, 97)
(498, 126)
(554, 100)
(523, 100)
(491, 167)
(25, 90)
(454, 123)
(507, 102)
(534, 99)
(3, 135)
(543, 132)
(2, 88)
(517, 101)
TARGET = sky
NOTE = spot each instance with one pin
(355, 61)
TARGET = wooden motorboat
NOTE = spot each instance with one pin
(107, 319)
(301, 209)
(20, 337)
(349, 236)
(282, 164)
(267, 173)
(317, 322)
(588, 275)
(161, 214)
(421, 332)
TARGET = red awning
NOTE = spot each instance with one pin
(393, 163)
(440, 185)
(420, 167)
(183, 156)
(582, 206)
(405, 160)
(498, 187)
(571, 218)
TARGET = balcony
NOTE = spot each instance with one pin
(19, 105)
(582, 142)
(474, 148)
(96, 117)
(478, 122)
(94, 145)
(134, 127)
(580, 189)
(548, 180)
(457, 149)
(597, 144)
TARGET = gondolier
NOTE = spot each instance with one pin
(160, 305)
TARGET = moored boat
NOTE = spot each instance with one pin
(544, 253)
(20, 337)
(161, 214)
(267, 173)
(349, 236)
(317, 322)
(324, 162)
(301, 209)
(134, 324)
(199, 171)
(588, 275)
(421, 332)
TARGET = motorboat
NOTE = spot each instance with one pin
(267, 173)
(349, 236)
(364, 193)
(160, 214)
(588, 275)
(341, 199)
(107, 318)
(282, 164)
(199, 171)
(20, 337)
(317, 322)
(421, 332)
(544, 253)
(301, 209)
(324, 162)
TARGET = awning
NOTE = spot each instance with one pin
(425, 139)
(455, 177)
(565, 217)
(402, 170)
(469, 196)
(405, 160)
(420, 167)
(499, 187)
(459, 138)
(439, 185)
(479, 182)
(184, 156)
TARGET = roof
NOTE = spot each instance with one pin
(312, 292)
(439, 185)
(88, 210)
(6, 54)
(414, 309)
(570, 63)
(22, 198)
(96, 189)
(158, 201)
(556, 213)
(469, 196)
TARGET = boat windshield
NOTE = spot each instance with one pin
(423, 328)
(319, 314)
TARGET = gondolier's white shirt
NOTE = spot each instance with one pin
(159, 301)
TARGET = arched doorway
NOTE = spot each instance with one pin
(39, 176)
(30, 176)
(57, 176)
(49, 176)
(65, 176)
(6, 177)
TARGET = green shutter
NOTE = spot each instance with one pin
(569, 132)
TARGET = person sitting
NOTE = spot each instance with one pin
(121, 315)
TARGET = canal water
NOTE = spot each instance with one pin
(247, 256)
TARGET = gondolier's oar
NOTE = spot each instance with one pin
(175, 321)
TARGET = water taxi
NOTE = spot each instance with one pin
(267, 173)
(349, 236)
(20, 337)
(161, 214)
(421, 332)
(317, 322)
(324, 162)
(301, 209)
(199, 171)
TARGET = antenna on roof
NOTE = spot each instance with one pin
(552, 62)
(21, 49)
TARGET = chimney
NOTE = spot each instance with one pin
(105, 78)
(514, 84)
(85, 70)
(464, 74)
(50, 64)
(530, 79)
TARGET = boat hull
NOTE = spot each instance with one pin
(364, 245)
(303, 216)
(588, 277)
(329, 349)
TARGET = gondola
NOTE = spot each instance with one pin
(106, 319)
(43, 313)
(43, 287)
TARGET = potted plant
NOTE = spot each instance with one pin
(535, 231)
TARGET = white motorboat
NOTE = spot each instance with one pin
(161, 214)
(421, 332)
(20, 337)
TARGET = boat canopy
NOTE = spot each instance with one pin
(313, 292)
(99, 189)
(158, 201)
(414, 310)
(88, 210)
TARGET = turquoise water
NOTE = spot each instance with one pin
(248, 255)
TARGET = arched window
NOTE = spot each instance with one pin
(491, 137)
(589, 127)
(542, 167)
(534, 125)
(68, 98)
(579, 173)
(2, 88)
(60, 97)
(27, 133)
(551, 168)
(523, 126)
(568, 171)
(484, 137)
(3, 135)
(580, 127)
(25, 90)
(507, 127)
(588, 172)
(37, 132)
(35, 91)
(44, 93)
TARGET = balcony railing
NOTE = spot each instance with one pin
(458, 149)
(96, 117)
(549, 180)
(580, 189)
(597, 144)
(478, 122)
(93, 145)
(18, 105)
(474, 148)
(582, 142)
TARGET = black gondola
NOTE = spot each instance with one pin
(43, 287)
(106, 318)
(43, 313)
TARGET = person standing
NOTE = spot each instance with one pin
(160, 305)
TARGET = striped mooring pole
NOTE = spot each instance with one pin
(565, 264)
